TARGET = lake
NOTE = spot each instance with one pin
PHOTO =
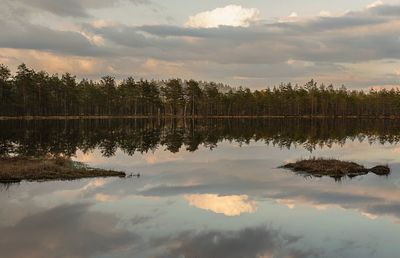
(207, 188)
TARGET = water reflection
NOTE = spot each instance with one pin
(75, 230)
(249, 242)
(143, 135)
(65, 231)
(74, 220)
(193, 202)
(232, 205)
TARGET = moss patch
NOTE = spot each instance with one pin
(334, 168)
(15, 169)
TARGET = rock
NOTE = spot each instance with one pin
(380, 170)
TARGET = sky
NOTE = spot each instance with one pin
(252, 43)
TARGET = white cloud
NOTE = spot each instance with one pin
(324, 13)
(99, 24)
(95, 40)
(375, 4)
(292, 17)
(369, 215)
(231, 15)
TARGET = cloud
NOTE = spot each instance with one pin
(232, 205)
(323, 39)
(386, 10)
(65, 231)
(103, 23)
(230, 15)
(374, 4)
(249, 242)
(56, 63)
(107, 197)
(229, 44)
(22, 35)
(73, 8)
(324, 13)
(292, 17)
(389, 209)
(157, 68)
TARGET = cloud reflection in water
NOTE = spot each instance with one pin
(233, 205)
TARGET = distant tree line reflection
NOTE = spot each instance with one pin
(66, 137)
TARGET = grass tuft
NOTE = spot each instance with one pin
(16, 169)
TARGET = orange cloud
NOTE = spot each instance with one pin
(232, 205)
(53, 63)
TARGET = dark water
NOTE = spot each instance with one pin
(208, 188)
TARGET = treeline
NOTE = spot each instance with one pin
(138, 136)
(32, 93)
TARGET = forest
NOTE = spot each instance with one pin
(37, 93)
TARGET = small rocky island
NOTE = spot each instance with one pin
(16, 169)
(334, 168)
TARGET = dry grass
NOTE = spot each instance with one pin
(15, 169)
(334, 168)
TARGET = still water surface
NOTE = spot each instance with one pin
(207, 188)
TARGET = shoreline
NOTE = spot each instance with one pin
(3, 118)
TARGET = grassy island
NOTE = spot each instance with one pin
(16, 169)
(334, 168)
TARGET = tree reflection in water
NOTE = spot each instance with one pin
(65, 137)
